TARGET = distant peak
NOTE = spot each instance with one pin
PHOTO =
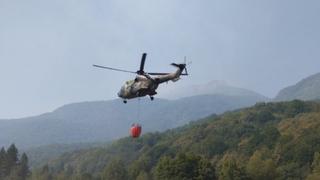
(306, 89)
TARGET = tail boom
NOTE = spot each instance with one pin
(175, 76)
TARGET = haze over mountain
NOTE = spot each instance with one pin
(213, 87)
(306, 89)
(108, 120)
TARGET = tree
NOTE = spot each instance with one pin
(139, 166)
(184, 166)
(231, 169)
(10, 166)
(14, 175)
(43, 174)
(290, 170)
(295, 107)
(315, 167)
(260, 166)
(3, 163)
(23, 168)
(12, 157)
(143, 176)
(115, 170)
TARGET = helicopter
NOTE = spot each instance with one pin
(146, 83)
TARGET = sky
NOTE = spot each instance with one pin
(47, 48)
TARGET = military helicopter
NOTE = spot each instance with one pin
(146, 83)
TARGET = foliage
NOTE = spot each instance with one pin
(11, 167)
(315, 167)
(261, 165)
(267, 141)
(184, 166)
(230, 168)
(115, 170)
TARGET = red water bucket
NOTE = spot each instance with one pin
(135, 130)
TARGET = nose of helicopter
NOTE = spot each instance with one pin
(121, 92)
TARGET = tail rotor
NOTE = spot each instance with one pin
(186, 64)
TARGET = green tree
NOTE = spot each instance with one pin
(14, 175)
(139, 166)
(12, 157)
(231, 169)
(143, 176)
(115, 170)
(184, 166)
(261, 166)
(23, 168)
(10, 166)
(43, 174)
(3, 163)
(290, 170)
(295, 107)
(315, 175)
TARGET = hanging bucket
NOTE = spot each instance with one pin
(135, 130)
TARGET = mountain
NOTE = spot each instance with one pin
(213, 87)
(306, 89)
(266, 141)
(108, 120)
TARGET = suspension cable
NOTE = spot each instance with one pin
(138, 113)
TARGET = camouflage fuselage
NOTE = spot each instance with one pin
(144, 85)
(141, 86)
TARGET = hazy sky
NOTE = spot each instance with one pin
(47, 47)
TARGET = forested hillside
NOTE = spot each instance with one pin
(266, 141)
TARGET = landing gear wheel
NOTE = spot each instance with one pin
(125, 101)
(152, 98)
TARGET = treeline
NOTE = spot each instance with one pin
(184, 166)
(268, 141)
(11, 166)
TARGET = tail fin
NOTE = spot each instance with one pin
(182, 67)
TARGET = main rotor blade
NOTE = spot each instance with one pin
(114, 69)
(143, 60)
(158, 73)
(183, 74)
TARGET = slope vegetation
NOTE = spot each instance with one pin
(267, 141)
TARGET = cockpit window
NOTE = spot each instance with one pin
(129, 82)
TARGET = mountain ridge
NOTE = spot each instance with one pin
(306, 89)
(108, 120)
